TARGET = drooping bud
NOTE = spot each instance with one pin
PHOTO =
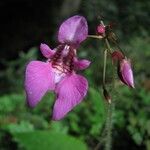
(106, 95)
(125, 72)
(100, 29)
(117, 56)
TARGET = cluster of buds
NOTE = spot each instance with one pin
(123, 64)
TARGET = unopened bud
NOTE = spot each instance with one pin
(107, 95)
(125, 72)
(117, 56)
(100, 29)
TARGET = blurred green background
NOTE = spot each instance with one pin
(27, 23)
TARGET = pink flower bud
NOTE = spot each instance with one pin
(100, 29)
(125, 72)
(117, 56)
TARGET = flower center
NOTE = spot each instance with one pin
(62, 61)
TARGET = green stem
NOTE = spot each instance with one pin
(108, 45)
(110, 107)
(106, 40)
(104, 77)
(95, 36)
(108, 142)
(104, 66)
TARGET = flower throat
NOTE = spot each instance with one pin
(63, 59)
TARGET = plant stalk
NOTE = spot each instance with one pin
(110, 106)
(95, 36)
(104, 67)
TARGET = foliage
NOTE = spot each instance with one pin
(48, 140)
(85, 122)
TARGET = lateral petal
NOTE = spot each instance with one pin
(81, 64)
(46, 50)
(70, 92)
(39, 78)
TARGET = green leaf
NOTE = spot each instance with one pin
(23, 126)
(98, 117)
(48, 140)
(9, 103)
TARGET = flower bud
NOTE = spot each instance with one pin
(100, 29)
(117, 56)
(106, 95)
(125, 72)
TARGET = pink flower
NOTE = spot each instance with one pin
(58, 73)
(125, 72)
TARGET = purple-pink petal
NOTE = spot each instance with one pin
(39, 78)
(70, 92)
(81, 64)
(46, 50)
(126, 72)
(73, 31)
